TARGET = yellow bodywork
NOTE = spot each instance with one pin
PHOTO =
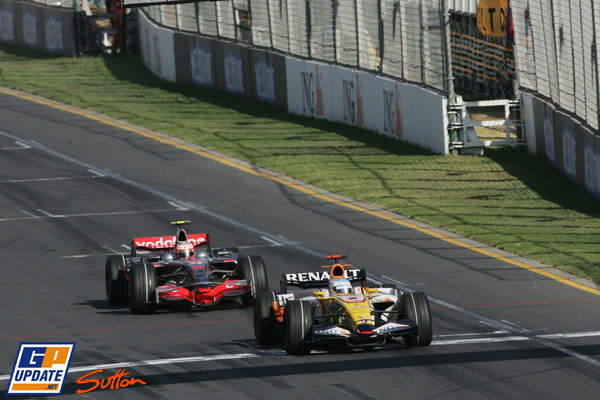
(353, 309)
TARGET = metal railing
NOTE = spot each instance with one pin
(557, 54)
(405, 40)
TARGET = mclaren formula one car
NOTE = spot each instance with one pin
(182, 270)
(341, 311)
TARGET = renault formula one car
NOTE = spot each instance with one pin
(341, 311)
(182, 270)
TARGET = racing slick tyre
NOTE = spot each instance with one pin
(415, 306)
(265, 324)
(142, 283)
(116, 283)
(298, 320)
(252, 268)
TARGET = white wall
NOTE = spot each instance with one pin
(403, 111)
(158, 49)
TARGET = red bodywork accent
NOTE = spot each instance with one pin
(204, 295)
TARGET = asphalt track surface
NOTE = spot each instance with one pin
(76, 187)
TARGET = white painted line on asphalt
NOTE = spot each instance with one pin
(59, 178)
(20, 146)
(97, 172)
(472, 334)
(496, 324)
(99, 214)
(480, 340)
(46, 213)
(27, 213)
(273, 242)
(111, 249)
(179, 205)
(569, 335)
(499, 325)
(163, 361)
(220, 357)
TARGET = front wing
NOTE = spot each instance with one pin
(202, 294)
(335, 335)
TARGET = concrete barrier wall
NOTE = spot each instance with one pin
(403, 111)
(563, 142)
(37, 26)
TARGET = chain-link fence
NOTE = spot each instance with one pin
(433, 43)
(406, 40)
(557, 53)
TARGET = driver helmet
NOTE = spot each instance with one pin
(341, 286)
(184, 250)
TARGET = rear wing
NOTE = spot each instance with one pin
(319, 279)
(164, 243)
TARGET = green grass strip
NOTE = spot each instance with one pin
(508, 200)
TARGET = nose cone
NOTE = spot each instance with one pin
(364, 329)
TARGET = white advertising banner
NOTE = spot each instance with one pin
(406, 112)
(7, 29)
(308, 88)
(158, 49)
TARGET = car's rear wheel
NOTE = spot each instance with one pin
(142, 284)
(415, 306)
(116, 283)
(298, 320)
(265, 324)
(252, 268)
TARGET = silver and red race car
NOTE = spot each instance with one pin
(341, 310)
(182, 270)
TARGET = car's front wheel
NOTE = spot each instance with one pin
(253, 269)
(298, 319)
(142, 284)
(415, 306)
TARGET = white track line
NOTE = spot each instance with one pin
(496, 324)
(522, 333)
(155, 362)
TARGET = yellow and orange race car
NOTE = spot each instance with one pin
(340, 310)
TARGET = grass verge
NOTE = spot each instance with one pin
(512, 201)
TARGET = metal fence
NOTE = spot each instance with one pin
(432, 43)
(405, 40)
(557, 54)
